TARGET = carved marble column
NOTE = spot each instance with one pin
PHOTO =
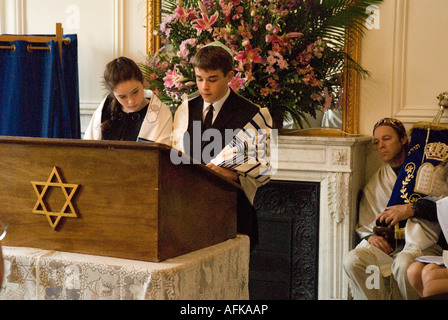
(337, 162)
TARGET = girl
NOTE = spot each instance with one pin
(129, 113)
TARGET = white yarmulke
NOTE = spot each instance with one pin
(219, 44)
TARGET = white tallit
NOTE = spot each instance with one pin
(156, 126)
(248, 153)
(374, 199)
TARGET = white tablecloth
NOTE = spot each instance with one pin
(215, 273)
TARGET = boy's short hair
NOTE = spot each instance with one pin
(213, 58)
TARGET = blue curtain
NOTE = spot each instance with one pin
(39, 94)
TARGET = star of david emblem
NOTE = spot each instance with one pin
(68, 191)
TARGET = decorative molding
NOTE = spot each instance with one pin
(339, 157)
(15, 11)
(338, 189)
(118, 28)
(400, 106)
(399, 58)
(20, 21)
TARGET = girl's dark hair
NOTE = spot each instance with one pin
(117, 71)
(213, 58)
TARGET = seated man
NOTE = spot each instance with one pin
(225, 131)
(376, 254)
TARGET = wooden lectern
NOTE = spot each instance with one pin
(118, 199)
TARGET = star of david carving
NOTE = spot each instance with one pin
(68, 190)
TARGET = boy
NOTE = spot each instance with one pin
(233, 139)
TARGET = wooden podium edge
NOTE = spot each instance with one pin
(107, 144)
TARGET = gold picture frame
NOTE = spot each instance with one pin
(152, 21)
(351, 83)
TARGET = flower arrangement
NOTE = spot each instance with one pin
(289, 54)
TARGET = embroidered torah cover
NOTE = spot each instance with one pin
(420, 175)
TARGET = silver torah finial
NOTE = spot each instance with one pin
(443, 103)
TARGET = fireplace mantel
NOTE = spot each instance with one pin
(337, 161)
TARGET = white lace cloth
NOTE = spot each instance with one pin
(219, 272)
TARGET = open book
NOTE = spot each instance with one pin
(442, 215)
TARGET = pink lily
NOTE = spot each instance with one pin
(202, 7)
(172, 78)
(205, 23)
(184, 15)
(250, 55)
(237, 82)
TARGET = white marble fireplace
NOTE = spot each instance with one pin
(337, 162)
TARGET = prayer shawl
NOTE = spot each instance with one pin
(375, 196)
(422, 176)
(156, 126)
(248, 153)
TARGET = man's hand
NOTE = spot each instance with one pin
(381, 243)
(228, 173)
(394, 214)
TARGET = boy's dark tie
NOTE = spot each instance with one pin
(208, 118)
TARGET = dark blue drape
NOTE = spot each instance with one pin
(39, 95)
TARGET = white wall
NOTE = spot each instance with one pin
(106, 29)
(407, 57)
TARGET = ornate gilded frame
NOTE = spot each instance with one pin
(350, 120)
(152, 20)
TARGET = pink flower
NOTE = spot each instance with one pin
(265, 92)
(249, 76)
(202, 7)
(153, 76)
(243, 31)
(226, 9)
(282, 63)
(271, 59)
(206, 23)
(270, 69)
(239, 13)
(248, 56)
(184, 51)
(182, 14)
(237, 82)
(172, 78)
